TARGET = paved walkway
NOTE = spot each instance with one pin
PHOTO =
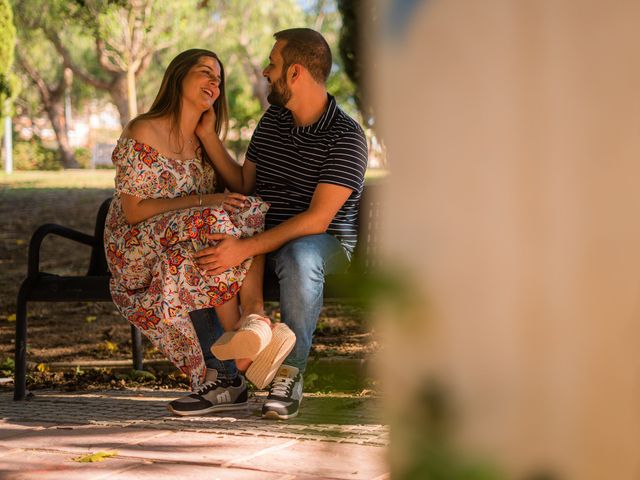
(334, 436)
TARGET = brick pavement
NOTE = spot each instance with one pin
(335, 436)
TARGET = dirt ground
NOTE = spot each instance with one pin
(89, 331)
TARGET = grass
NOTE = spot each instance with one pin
(375, 174)
(77, 178)
(73, 178)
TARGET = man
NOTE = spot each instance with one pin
(307, 158)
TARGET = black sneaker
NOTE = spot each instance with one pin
(285, 394)
(212, 396)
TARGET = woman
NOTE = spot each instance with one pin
(163, 211)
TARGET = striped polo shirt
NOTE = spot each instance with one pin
(291, 161)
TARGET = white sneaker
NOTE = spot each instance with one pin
(285, 394)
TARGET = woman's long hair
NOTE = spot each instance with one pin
(168, 102)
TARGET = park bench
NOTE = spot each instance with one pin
(94, 285)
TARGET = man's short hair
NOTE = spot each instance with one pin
(308, 48)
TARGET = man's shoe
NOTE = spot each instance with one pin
(213, 396)
(285, 394)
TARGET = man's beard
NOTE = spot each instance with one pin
(279, 94)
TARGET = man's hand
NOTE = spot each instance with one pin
(207, 124)
(229, 252)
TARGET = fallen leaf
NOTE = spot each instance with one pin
(11, 318)
(42, 367)
(94, 457)
(90, 318)
(19, 242)
(109, 346)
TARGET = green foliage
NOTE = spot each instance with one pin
(32, 155)
(7, 367)
(39, 53)
(83, 157)
(7, 42)
(137, 376)
(7, 37)
(243, 37)
(239, 31)
(325, 17)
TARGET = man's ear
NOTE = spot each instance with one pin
(294, 72)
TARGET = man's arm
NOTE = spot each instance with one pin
(327, 200)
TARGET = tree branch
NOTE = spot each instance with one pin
(107, 59)
(319, 14)
(41, 85)
(141, 14)
(66, 57)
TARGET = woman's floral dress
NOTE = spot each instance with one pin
(155, 283)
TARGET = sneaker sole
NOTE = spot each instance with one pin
(217, 408)
(267, 363)
(271, 415)
(247, 342)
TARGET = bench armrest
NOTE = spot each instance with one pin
(52, 228)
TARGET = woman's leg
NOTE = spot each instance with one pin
(229, 315)
(251, 298)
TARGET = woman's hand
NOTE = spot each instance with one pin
(231, 202)
(207, 124)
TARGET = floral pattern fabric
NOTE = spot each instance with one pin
(155, 283)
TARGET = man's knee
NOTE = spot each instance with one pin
(301, 256)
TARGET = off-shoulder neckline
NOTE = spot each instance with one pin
(128, 139)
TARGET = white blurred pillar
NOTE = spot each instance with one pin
(512, 129)
(8, 145)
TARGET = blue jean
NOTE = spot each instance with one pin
(301, 266)
(208, 329)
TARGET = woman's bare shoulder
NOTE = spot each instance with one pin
(142, 130)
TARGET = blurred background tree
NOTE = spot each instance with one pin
(90, 55)
(359, 19)
(124, 36)
(7, 42)
(52, 80)
(349, 48)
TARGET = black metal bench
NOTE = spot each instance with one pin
(94, 286)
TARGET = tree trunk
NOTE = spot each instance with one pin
(131, 93)
(53, 99)
(55, 111)
(260, 86)
(118, 92)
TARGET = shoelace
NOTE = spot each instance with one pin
(207, 387)
(281, 387)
